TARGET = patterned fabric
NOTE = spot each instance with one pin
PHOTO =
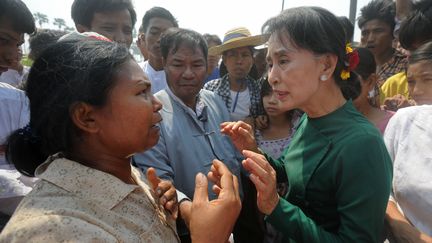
(222, 88)
(75, 203)
(274, 148)
(398, 63)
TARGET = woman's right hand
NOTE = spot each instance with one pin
(241, 134)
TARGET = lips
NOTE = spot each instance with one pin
(280, 94)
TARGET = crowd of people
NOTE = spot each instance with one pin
(298, 134)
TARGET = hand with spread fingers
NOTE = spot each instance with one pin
(165, 192)
(241, 134)
(263, 176)
(213, 221)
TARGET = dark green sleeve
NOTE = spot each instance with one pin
(362, 178)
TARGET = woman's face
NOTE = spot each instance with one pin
(420, 82)
(128, 121)
(238, 62)
(293, 72)
(212, 60)
(272, 105)
(366, 86)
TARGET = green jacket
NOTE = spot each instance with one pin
(339, 174)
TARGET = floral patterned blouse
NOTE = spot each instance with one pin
(75, 203)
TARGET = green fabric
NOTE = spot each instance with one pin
(339, 175)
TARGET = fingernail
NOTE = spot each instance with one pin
(158, 191)
(200, 178)
(163, 200)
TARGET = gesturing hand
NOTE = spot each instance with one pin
(165, 192)
(213, 221)
(264, 178)
(241, 135)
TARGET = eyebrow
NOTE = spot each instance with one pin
(10, 37)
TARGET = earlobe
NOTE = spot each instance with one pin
(328, 64)
(82, 116)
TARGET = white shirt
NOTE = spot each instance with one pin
(13, 77)
(408, 138)
(14, 112)
(157, 78)
(240, 107)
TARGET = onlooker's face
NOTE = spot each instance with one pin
(128, 121)
(186, 70)
(152, 36)
(212, 60)
(10, 40)
(377, 36)
(260, 61)
(272, 105)
(293, 72)
(115, 25)
(366, 86)
(420, 82)
(238, 62)
(141, 45)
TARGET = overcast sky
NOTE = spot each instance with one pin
(215, 17)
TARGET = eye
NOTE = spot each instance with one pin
(4, 41)
(108, 29)
(283, 62)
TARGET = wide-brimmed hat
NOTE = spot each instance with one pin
(238, 37)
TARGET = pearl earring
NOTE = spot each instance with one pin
(323, 77)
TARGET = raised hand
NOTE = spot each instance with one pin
(241, 134)
(164, 191)
(213, 221)
(264, 177)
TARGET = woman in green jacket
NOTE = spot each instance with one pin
(337, 166)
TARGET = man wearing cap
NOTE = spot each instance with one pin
(239, 91)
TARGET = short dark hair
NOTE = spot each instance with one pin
(383, 10)
(348, 28)
(212, 38)
(41, 39)
(18, 13)
(66, 73)
(367, 64)
(157, 12)
(417, 27)
(423, 53)
(84, 10)
(173, 38)
(317, 30)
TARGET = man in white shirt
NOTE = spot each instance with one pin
(155, 21)
(15, 20)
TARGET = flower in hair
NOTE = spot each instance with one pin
(351, 64)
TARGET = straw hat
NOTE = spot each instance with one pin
(238, 37)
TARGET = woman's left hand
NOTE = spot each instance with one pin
(264, 177)
(165, 192)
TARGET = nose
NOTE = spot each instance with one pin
(273, 76)
(273, 99)
(121, 37)
(157, 105)
(188, 73)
